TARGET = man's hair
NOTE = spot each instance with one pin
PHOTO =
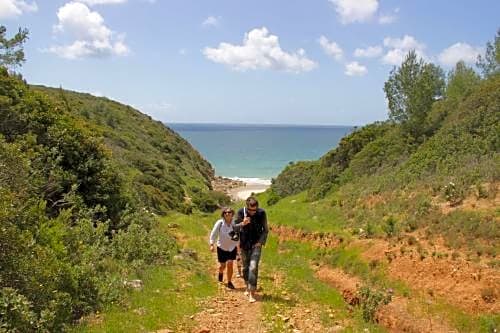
(252, 202)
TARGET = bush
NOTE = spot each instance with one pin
(273, 198)
(15, 312)
(370, 300)
(70, 232)
(209, 202)
(453, 194)
(390, 226)
(294, 179)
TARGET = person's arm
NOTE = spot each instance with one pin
(239, 217)
(237, 225)
(214, 234)
(265, 230)
(240, 222)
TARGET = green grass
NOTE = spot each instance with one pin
(170, 295)
(293, 258)
(287, 278)
(463, 322)
(295, 211)
(292, 261)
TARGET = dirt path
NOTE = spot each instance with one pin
(230, 311)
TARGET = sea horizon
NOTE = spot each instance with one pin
(257, 153)
(237, 124)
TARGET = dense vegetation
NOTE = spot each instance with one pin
(81, 179)
(158, 166)
(441, 144)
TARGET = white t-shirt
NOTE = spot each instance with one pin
(221, 231)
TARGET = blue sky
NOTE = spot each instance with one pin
(235, 61)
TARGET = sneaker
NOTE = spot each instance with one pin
(220, 277)
(251, 299)
(230, 285)
(246, 293)
(238, 275)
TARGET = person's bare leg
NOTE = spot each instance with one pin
(222, 266)
(229, 265)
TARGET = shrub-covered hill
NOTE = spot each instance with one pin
(160, 168)
(387, 181)
(77, 176)
(464, 149)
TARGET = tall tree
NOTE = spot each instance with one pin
(490, 62)
(11, 50)
(461, 80)
(411, 90)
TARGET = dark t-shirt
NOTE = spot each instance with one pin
(256, 231)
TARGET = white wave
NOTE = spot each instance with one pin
(253, 181)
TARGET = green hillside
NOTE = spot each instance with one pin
(455, 159)
(159, 167)
(81, 179)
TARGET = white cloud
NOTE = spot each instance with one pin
(93, 37)
(369, 52)
(351, 11)
(399, 48)
(211, 21)
(102, 2)
(388, 18)
(15, 8)
(331, 48)
(459, 51)
(260, 50)
(355, 69)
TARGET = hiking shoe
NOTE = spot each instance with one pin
(238, 275)
(251, 299)
(220, 277)
(230, 285)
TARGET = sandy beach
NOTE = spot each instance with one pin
(243, 192)
(240, 188)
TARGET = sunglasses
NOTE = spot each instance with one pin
(228, 212)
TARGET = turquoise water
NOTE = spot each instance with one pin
(259, 151)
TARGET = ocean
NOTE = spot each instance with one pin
(257, 153)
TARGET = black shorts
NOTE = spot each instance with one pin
(223, 256)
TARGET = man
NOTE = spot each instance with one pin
(252, 221)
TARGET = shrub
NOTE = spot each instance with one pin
(273, 198)
(295, 178)
(390, 226)
(453, 194)
(371, 299)
(210, 201)
(16, 314)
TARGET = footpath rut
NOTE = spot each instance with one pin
(230, 311)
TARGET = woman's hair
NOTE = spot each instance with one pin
(226, 209)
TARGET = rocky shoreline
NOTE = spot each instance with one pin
(237, 189)
(226, 185)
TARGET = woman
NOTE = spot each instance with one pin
(224, 233)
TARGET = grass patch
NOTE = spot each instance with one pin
(292, 261)
(295, 211)
(171, 294)
(169, 297)
(463, 322)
